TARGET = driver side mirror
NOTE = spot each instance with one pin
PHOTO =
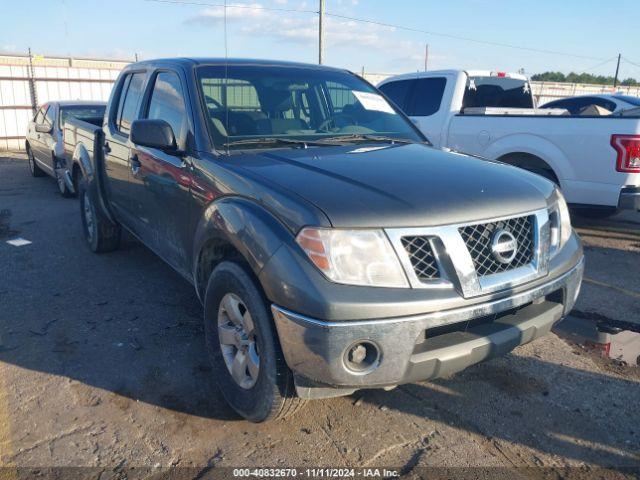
(44, 128)
(153, 133)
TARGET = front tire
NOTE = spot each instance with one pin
(100, 233)
(243, 346)
(35, 170)
(62, 184)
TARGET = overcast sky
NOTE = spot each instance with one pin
(591, 31)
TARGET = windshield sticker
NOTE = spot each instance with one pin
(472, 84)
(373, 101)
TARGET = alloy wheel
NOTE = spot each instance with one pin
(88, 216)
(238, 343)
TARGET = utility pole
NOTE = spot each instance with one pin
(33, 93)
(615, 79)
(426, 57)
(321, 32)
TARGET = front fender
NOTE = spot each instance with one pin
(533, 145)
(245, 225)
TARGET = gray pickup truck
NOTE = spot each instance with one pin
(332, 247)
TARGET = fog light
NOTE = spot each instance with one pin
(362, 357)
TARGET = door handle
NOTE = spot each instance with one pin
(135, 164)
(107, 148)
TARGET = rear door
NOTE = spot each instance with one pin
(117, 146)
(161, 183)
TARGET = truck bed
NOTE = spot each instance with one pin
(86, 132)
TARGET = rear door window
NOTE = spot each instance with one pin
(129, 103)
(397, 91)
(425, 96)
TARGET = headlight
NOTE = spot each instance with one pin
(560, 222)
(354, 257)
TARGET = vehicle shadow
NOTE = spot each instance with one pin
(125, 323)
(518, 401)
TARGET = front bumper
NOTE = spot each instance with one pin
(419, 347)
(629, 198)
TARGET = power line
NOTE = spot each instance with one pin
(381, 24)
(598, 65)
(222, 5)
(630, 62)
(456, 37)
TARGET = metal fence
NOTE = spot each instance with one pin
(29, 81)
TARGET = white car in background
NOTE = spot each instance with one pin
(614, 103)
(594, 159)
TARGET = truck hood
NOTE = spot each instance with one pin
(400, 185)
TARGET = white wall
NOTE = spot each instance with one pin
(54, 79)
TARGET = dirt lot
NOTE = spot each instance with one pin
(102, 364)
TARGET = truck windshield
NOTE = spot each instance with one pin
(502, 92)
(275, 107)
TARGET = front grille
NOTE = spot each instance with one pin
(478, 240)
(421, 256)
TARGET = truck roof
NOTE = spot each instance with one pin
(72, 103)
(471, 73)
(196, 61)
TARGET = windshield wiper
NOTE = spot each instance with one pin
(359, 137)
(272, 141)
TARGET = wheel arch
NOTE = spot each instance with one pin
(235, 228)
(536, 149)
(530, 162)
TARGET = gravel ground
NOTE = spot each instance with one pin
(102, 364)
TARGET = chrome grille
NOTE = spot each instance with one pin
(478, 240)
(422, 257)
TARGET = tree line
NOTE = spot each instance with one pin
(581, 78)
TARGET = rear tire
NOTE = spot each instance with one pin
(249, 366)
(100, 233)
(35, 170)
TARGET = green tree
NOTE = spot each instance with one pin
(574, 77)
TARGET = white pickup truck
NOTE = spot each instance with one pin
(594, 159)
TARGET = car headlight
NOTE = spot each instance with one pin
(560, 222)
(354, 257)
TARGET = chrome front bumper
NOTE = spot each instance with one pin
(419, 347)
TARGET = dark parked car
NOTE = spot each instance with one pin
(45, 145)
(332, 247)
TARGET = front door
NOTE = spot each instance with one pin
(44, 140)
(161, 183)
